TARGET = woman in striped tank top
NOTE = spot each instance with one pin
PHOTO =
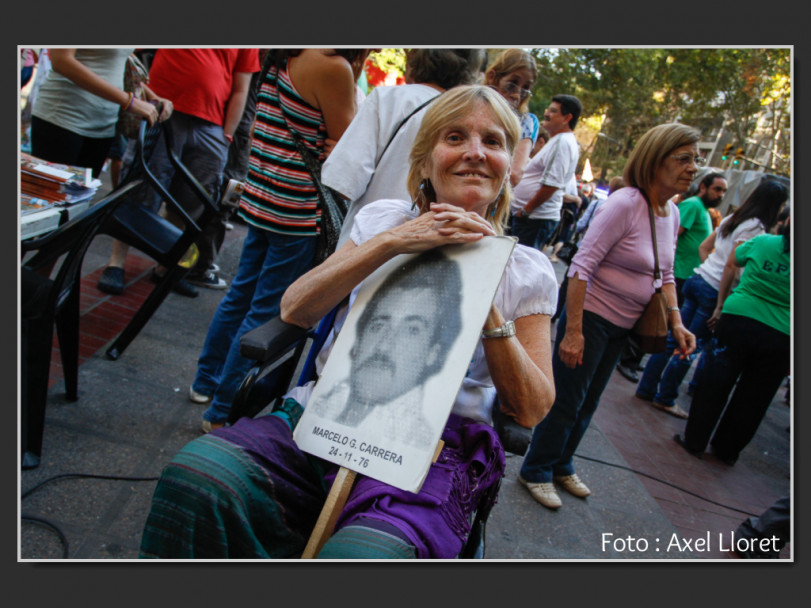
(310, 92)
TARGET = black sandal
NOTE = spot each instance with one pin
(111, 281)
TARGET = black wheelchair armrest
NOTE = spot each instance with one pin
(270, 338)
(276, 347)
(514, 437)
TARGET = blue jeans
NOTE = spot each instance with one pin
(532, 232)
(667, 370)
(577, 394)
(269, 263)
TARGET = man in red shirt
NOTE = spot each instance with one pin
(208, 88)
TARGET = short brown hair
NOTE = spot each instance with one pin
(651, 150)
(446, 68)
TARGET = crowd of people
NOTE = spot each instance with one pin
(451, 157)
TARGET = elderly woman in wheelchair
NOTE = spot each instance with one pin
(247, 491)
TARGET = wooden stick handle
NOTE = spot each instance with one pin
(336, 499)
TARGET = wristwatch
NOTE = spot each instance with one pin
(505, 331)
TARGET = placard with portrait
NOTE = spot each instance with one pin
(391, 379)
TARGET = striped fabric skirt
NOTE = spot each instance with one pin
(247, 491)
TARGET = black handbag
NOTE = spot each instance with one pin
(567, 251)
(569, 248)
(333, 206)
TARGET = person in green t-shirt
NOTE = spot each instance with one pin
(752, 346)
(695, 225)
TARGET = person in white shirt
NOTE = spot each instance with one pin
(538, 197)
(370, 162)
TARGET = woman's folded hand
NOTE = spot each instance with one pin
(444, 225)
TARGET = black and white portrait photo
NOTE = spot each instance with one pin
(403, 339)
(388, 385)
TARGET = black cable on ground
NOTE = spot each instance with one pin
(45, 523)
(667, 483)
(83, 476)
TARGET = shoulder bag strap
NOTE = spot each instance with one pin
(657, 274)
(307, 155)
(270, 58)
(404, 121)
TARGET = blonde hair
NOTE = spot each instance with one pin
(506, 63)
(651, 150)
(449, 107)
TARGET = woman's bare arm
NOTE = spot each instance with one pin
(706, 247)
(64, 62)
(520, 160)
(326, 82)
(573, 344)
(521, 367)
(684, 337)
(315, 293)
(731, 271)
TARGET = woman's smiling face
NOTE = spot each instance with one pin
(470, 161)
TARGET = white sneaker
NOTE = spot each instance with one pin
(214, 267)
(198, 397)
(209, 279)
(544, 493)
(573, 485)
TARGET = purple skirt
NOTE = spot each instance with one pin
(436, 520)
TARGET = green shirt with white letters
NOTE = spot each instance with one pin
(764, 293)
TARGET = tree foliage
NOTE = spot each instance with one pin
(630, 90)
(389, 60)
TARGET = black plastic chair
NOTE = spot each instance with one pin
(277, 348)
(144, 229)
(54, 301)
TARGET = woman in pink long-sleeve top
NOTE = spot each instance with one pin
(610, 283)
